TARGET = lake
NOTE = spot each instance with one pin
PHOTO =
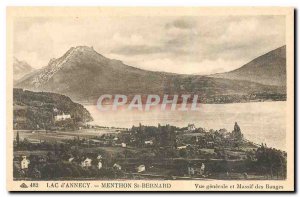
(260, 122)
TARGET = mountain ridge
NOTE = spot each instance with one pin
(83, 74)
(20, 69)
(267, 69)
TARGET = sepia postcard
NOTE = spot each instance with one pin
(150, 99)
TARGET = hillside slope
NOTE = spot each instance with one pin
(33, 110)
(268, 69)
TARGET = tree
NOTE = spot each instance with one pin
(271, 160)
(18, 139)
(237, 134)
(183, 153)
(17, 172)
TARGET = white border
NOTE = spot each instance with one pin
(5, 3)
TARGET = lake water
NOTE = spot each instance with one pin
(261, 122)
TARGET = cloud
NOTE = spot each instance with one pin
(187, 44)
(137, 50)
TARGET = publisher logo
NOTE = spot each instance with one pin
(23, 185)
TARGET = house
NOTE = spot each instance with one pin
(191, 171)
(181, 147)
(141, 168)
(95, 142)
(34, 141)
(86, 163)
(194, 170)
(123, 145)
(71, 159)
(202, 168)
(62, 117)
(117, 166)
(99, 157)
(99, 165)
(149, 142)
(24, 163)
(191, 127)
(236, 155)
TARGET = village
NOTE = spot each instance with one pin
(141, 152)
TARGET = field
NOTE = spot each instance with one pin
(27, 153)
(36, 136)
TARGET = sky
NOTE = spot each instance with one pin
(186, 45)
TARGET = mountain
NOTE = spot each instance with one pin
(268, 69)
(84, 75)
(20, 69)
